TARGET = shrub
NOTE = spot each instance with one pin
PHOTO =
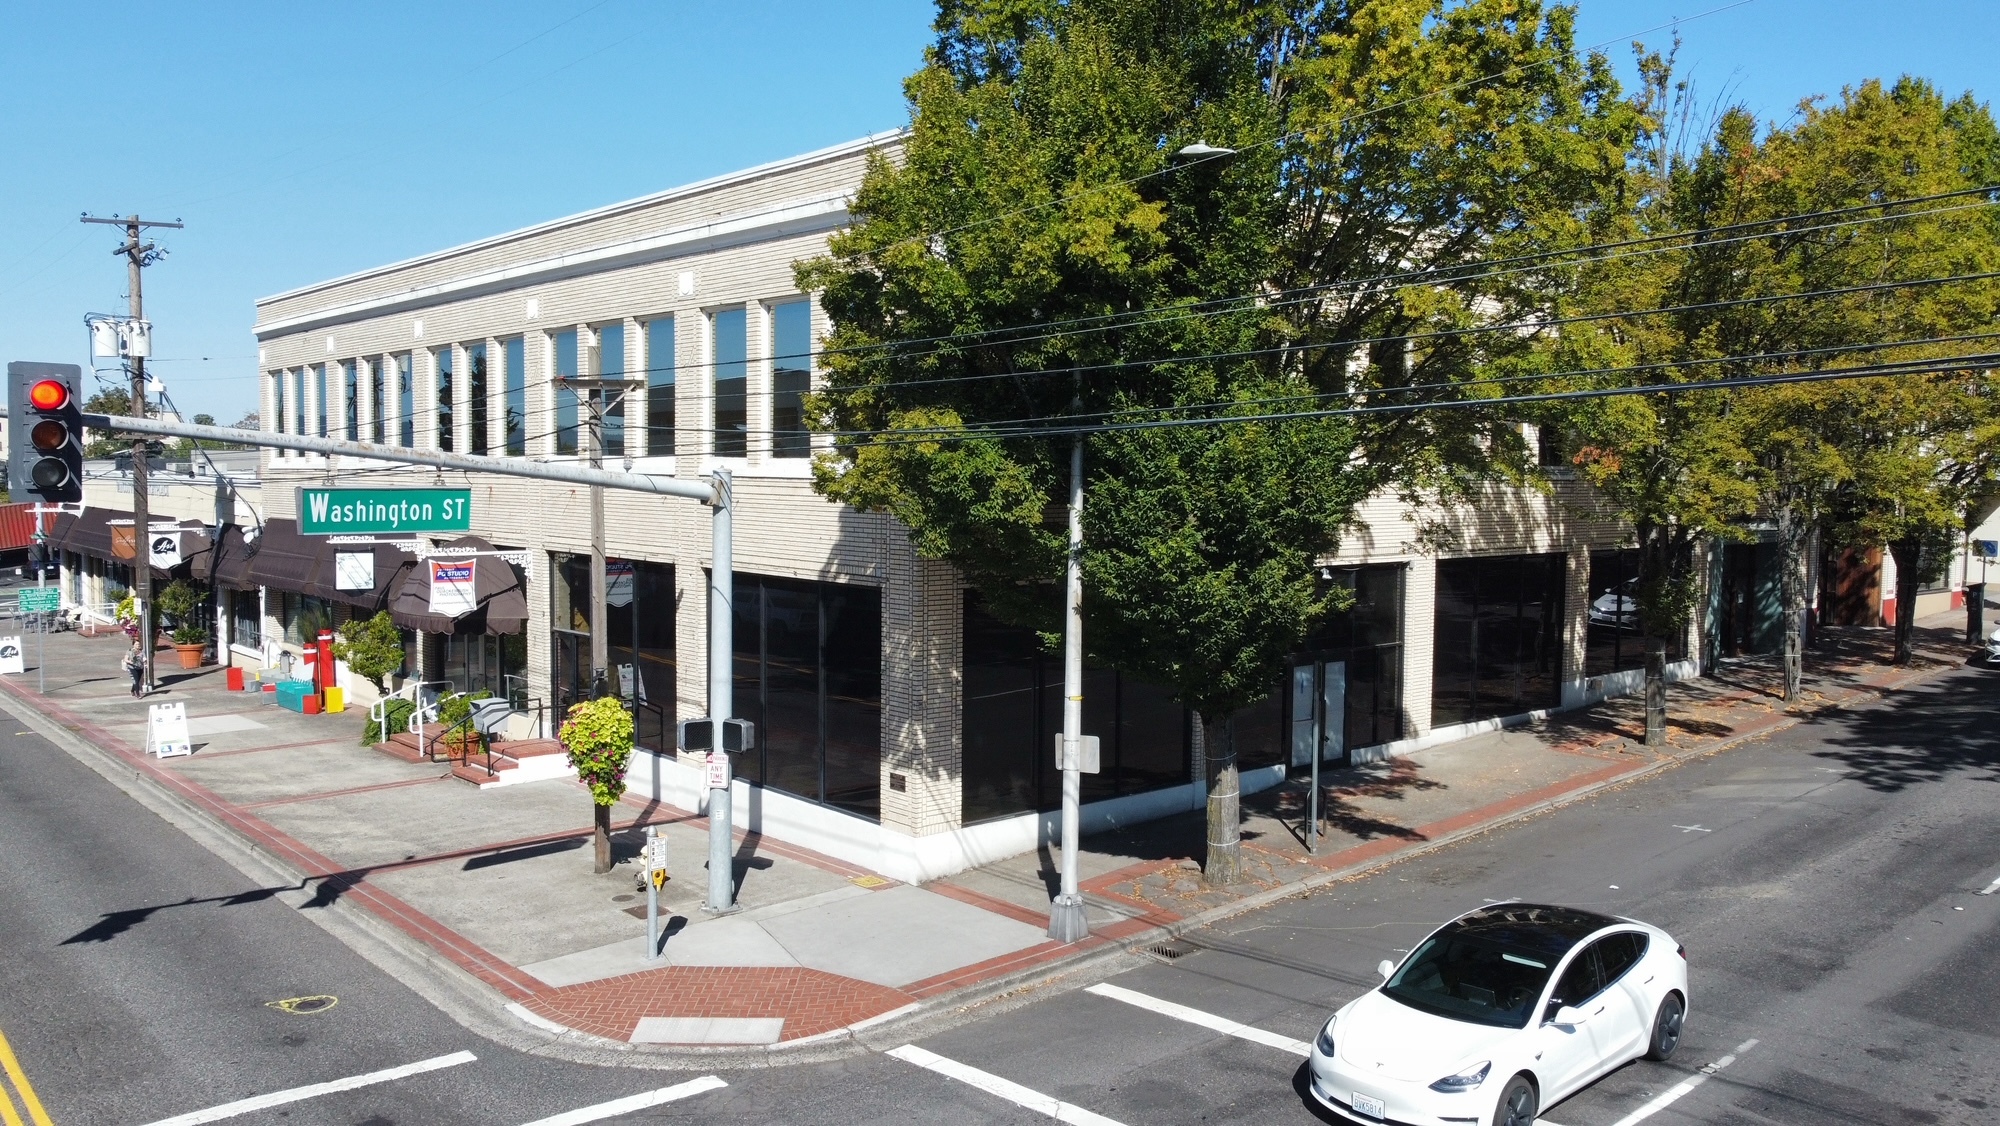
(180, 604)
(397, 714)
(190, 634)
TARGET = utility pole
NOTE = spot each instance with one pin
(590, 392)
(137, 257)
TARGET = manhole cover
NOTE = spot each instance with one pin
(623, 898)
(1170, 951)
(304, 1006)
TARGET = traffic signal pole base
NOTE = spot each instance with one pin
(1066, 919)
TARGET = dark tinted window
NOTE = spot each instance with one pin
(1497, 640)
(1452, 975)
(1583, 980)
(1620, 952)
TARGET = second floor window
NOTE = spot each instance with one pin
(791, 378)
(475, 374)
(406, 401)
(732, 368)
(611, 365)
(515, 421)
(350, 401)
(444, 393)
(660, 387)
(565, 350)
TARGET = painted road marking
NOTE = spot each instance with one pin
(632, 1102)
(994, 1085)
(1669, 1098)
(22, 1089)
(299, 1094)
(1989, 889)
(1206, 1020)
(1693, 829)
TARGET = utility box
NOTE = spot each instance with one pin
(336, 698)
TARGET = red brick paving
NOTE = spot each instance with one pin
(811, 1001)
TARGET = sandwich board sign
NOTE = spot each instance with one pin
(11, 660)
(167, 731)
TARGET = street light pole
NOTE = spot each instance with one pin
(1067, 920)
(721, 697)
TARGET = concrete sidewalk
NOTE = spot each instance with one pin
(497, 881)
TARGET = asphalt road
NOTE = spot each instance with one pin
(1824, 882)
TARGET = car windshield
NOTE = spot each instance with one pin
(1463, 978)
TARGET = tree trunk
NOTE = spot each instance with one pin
(1656, 692)
(601, 840)
(1224, 863)
(1975, 613)
(1909, 556)
(1792, 533)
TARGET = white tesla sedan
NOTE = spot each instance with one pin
(1501, 1012)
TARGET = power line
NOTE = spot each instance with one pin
(1537, 325)
(1940, 366)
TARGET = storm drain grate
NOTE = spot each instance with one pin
(1172, 951)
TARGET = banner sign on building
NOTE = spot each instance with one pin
(451, 587)
(355, 512)
(166, 548)
(354, 570)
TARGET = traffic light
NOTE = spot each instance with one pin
(44, 432)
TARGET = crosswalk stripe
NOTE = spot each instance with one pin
(994, 1085)
(1206, 1020)
(632, 1102)
(298, 1094)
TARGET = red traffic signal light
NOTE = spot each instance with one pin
(48, 395)
(45, 442)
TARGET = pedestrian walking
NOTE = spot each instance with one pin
(135, 663)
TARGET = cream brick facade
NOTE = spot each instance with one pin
(731, 242)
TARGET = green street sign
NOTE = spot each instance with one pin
(40, 600)
(361, 512)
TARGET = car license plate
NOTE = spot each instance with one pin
(1368, 1105)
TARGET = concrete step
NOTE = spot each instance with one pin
(527, 748)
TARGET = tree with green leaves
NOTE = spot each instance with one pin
(372, 648)
(1041, 256)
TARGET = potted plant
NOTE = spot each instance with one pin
(127, 615)
(190, 641)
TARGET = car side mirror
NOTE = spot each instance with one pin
(1385, 967)
(1569, 1016)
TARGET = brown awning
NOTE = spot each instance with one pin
(391, 565)
(225, 562)
(87, 533)
(496, 584)
(282, 558)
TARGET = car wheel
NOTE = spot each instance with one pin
(1518, 1104)
(1666, 1028)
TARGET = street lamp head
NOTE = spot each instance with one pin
(1202, 150)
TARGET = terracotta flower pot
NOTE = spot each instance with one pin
(190, 654)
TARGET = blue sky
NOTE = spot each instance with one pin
(300, 142)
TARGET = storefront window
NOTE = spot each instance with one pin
(1353, 660)
(639, 632)
(1612, 641)
(1012, 713)
(302, 617)
(809, 674)
(246, 620)
(1498, 640)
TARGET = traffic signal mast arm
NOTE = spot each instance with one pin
(443, 459)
